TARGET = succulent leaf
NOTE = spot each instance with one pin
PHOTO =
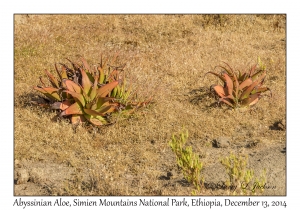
(101, 101)
(245, 83)
(229, 85)
(86, 83)
(50, 92)
(106, 109)
(77, 119)
(259, 73)
(72, 86)
(246, 93)
(251, 100)
(98, 120)
(92, 112)
(101, 75)
(73, 109)
(218, 75)
(220, 90)
(261, 90)
(226, 101)
(52, 79)
(86, 65)
(61, 105)
(106, 89)
(77, 97)
(94, 89)
(252, 70)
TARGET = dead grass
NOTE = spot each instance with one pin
(165, 54)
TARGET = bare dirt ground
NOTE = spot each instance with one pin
(167, 57)
(43, 178)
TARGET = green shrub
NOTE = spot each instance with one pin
(241, 178)
(188, 161)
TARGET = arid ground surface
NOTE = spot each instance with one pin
(166, 57)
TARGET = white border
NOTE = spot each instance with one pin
(154, 6)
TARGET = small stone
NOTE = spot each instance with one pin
(169, 174)
(221, 142)
(251, 143)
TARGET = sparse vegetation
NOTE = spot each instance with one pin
(188, 161)
(240, 177)
(166, 56)
(86, 94)
(242, 89)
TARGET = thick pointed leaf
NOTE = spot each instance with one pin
(229, 85)
(98, 120)
(92, 112)
(235, 85)
(50, 92)
(86, 83)
(101, 75)
(115, 91)
(61, 105)
(240, 74)
(77, 97)
(114, 76)
(233, 76)
(40, 89)
(90, 104)
(220, 90)
(247, 92)
(94, 89)
(243, 77)
(252, 70)
(218, 75)
(72, 86)
(261, 73)
(99, 102)
(229, 70)
(106, 109)
(86, 65)
(226, 102)
(41, 80)
(251, 100)
(58, 72)
(246, 83)
(63, 72)
(75, 65)
(91, 77)
(261, 90)
(52, 79)
(73, 109)
(77, 119)
(106, 89)
(101, 59)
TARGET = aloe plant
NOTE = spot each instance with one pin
(240, 89)
(80, 95)
(90, 95)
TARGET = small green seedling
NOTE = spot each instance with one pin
(188, 161)
(240, 178)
